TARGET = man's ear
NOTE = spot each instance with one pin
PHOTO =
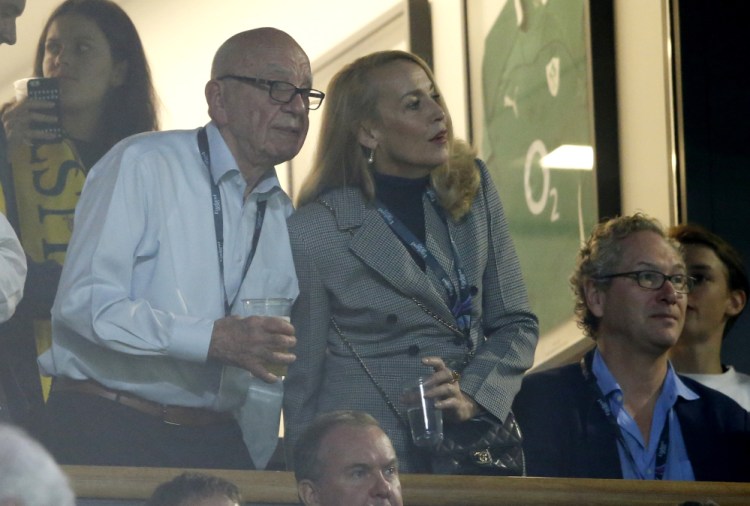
(308, 493)
(594, 296)
(217, 110)
(737, 301)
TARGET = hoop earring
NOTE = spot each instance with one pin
(371, 158)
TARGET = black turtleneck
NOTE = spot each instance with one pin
(403, 198)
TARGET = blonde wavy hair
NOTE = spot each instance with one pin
(341, 161)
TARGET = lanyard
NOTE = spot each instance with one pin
(219, 222)
(662, 449)
(460, 301)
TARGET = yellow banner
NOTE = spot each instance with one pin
(48, 180)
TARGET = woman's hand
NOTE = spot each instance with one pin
(444, 387)
(19, 116)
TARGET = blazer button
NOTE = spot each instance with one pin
(413, 350)
(391, 319)
(473, 290)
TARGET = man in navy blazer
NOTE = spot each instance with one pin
(622, 411)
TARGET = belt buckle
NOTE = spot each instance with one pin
(165, 419)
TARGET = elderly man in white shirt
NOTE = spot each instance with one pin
(152, 363)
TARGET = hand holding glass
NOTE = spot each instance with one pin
(277, 307)
(425, 420)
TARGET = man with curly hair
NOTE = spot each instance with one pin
(623, 412)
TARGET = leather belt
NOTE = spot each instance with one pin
(172, 415)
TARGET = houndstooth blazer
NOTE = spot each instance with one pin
(353, 268)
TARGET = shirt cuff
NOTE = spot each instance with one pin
(191, 339)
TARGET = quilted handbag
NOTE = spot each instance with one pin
(481, 446)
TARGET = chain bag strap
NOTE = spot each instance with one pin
(481, 446)
(375, 382)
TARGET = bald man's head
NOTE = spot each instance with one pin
(249, 98)
(250, 46)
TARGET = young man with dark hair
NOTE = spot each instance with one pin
(714, 304)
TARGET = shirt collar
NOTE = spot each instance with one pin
(607, 383)
(223, 163)
(680, 388)
(672, 388)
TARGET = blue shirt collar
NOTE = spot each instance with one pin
(673, 386)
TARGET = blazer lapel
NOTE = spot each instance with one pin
(378, 247)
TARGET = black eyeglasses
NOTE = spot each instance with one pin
(282, 91)
(654, 280)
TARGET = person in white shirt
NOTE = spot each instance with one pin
(716, 301)
(12, 270)
(12, 256)
(150, 359)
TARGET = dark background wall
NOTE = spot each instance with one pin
(714, 46)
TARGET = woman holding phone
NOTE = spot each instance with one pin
(93, 51)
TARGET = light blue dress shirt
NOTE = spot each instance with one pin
(643, 463)
(140, 289)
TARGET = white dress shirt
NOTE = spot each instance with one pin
(12, 270)
(140, 289)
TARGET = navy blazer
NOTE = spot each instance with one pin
(567, 435)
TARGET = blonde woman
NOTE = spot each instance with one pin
(405, 263)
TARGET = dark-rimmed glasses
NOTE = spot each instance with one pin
(282, 91)
(654, 280)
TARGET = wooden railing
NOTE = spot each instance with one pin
(273, 487)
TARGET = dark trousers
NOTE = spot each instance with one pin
(82, 429)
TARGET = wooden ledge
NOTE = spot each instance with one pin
(276, 487)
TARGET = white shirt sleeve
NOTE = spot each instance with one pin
(120, 286)
(12, 270)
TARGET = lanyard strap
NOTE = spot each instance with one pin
(219, 221)
(662, 449)
(460, 301)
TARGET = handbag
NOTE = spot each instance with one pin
(481, 446)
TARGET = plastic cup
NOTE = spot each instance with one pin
(425, 420)
(21, 87)
(274, 306)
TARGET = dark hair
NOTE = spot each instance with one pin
(131, 107)
(729, 256)
(188, 486)
(601, 254)
(307, 465)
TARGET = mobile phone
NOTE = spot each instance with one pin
(47, 88)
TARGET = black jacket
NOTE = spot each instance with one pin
(567, 435)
